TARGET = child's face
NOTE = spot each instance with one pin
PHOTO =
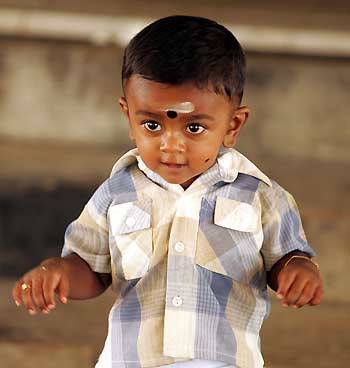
(179, 130)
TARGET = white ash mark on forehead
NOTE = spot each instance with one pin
(180, 108)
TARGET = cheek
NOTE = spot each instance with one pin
(143, 141)
(204, 155)
(148, 149)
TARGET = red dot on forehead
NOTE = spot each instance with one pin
(171, 114)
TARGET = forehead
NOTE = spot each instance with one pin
(184, 98)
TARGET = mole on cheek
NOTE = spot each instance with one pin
(207, 159)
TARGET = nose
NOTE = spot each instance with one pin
(173, 142)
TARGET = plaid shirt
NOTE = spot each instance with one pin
(188, 266)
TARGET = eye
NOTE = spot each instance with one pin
(195, 128)
(151, 125)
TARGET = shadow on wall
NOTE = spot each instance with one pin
(33, 222)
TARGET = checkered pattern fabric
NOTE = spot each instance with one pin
(188, 266)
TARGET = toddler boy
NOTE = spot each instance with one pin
(186, 229)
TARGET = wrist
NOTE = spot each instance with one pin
(61, 265)
(300, 257)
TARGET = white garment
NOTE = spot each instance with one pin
(197, 363)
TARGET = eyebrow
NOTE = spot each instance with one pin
(158, 116)
(202, 116)
(148, 113)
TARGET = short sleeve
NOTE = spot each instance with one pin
(282, 227)
(88, 235)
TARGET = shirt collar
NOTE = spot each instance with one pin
(177, 188)
(232, 162)
(132, 157)
(228, 165)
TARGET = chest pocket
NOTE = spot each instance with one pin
(131, 238)
(230, 238)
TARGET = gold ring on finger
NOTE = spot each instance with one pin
(25, 286)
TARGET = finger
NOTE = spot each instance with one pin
(37, 294)
(17, 292)
(63, 290)
(285, 280)
(317, 296)
(50, 283)
(295, 291)
(306, 295)
(27, 299)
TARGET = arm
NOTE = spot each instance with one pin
(297, 281)
(68, 277)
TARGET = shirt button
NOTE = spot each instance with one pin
(177, 301)
(179, 247)
(130, 221)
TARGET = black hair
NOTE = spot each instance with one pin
(179, 49)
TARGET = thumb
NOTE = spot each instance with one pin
(63, 290)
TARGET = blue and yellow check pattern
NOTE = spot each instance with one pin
(188, 266)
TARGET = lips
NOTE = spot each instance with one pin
(174, 165)
(171, 164)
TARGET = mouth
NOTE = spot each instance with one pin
(173, 165)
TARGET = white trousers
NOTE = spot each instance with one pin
(197, 363)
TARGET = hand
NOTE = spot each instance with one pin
(36, 288)
(299, 283)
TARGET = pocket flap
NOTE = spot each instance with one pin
(236, 215)
(128, 217)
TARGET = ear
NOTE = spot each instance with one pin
(239, 118)
(124, 106)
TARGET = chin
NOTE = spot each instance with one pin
(173, 180)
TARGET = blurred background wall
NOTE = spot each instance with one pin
(61, 130)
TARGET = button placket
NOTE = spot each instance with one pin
(182, 246)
